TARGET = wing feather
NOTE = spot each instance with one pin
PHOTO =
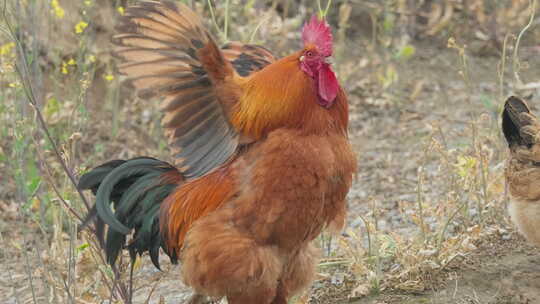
(167, 53)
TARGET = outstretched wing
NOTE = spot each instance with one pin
(167, 53)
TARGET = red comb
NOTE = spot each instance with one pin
(318, 32)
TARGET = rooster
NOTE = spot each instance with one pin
(522, 131)
(262, 158)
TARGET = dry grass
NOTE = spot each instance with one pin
(411, 219)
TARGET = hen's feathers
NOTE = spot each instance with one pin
(167, 53)
(522, 130)
(517, 122)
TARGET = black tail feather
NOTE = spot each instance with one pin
(135, 188)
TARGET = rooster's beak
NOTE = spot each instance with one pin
(328, 60)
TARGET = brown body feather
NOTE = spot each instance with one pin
(287, 188)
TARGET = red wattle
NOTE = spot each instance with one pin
(328, 85)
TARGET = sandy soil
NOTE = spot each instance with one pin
(498, 272)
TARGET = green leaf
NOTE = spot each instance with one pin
(406, 52)
(388, 23)
(33, 178)
(82, 247)
(52, 107)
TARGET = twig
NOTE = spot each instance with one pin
(368, 233)
(117, 282)
(226, 24)
(263, 20)
(515, 59)
(213, 15)
(502, 67)
(420, 199)
(103, 262)
(71, 263)
(49, 179)
(447, 224)
(29, 92)
(131, 267)
(323, 13)
(28, 272)
(9, 273)
(154, 287)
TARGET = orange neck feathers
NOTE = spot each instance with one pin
(283, 96)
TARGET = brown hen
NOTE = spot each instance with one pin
(522, 131)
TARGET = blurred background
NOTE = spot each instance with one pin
(426, 81)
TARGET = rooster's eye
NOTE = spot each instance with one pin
(309, 53)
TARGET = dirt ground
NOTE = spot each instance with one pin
(498, 272)
(389, 131)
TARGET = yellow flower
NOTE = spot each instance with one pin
(6, 48)
(109, 77)
(121, 10)
(57, 9)
(465, 165)
(64, 68)
(92, 58)
(15, 84)
(79, 27)
(87, 2)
